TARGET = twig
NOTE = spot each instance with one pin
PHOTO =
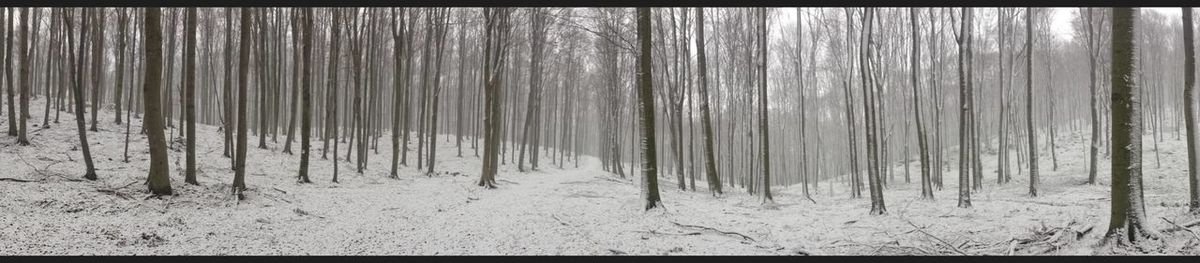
(716, 230)
(1194, 235)
(936, 238)
(18, 180)
(560, 221)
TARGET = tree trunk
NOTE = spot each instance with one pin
(1189, 113)
(306, 97)
(1030, 133)
(23, 116)
(1128, 221)
(922, 141)
(646, 112)
(158, 180)
(710, 168)
(189, 95)
(964, 98)
(239, 176)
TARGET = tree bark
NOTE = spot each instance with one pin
(158, 180)
(1128, 221)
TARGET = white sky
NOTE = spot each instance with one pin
(1061, 21)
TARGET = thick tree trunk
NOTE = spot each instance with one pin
(1189, 113)
(306, 97)
(646, 112)
(158, 180)
(239, 176)
(922, 141)
(710, 168)
(1128, 221)
(189, 95)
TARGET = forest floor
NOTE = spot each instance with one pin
(45, 208)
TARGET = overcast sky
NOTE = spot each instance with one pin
(1061, 23)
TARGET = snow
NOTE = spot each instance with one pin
(550, 211)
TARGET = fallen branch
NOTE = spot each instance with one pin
(613, 180)
(114, 192)
(617, 252)
(1194, 235)
(716, 230)
(935, 238)
(1012, 246)
(18, 180)
(665, 233)
(1183, 226)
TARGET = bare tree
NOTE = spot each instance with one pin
(646, 112)
(189, 95)
(922, 142)
(158, 180)
(496, 31)
(1033, 162)
(239, 176)
(710, 168)
(1189, 113)
(306, 97)
(1128, 221)
(965, 112)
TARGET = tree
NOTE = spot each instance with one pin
(495, 49)
(306, 97)
(1093, 52)
(119, 83)
(922, 141)
(400, 49)
(159, 183)
(189, 95)
(537, 43)
(97, 65)
(646, 112)
(227, 109)
(710, 167)
(443, 18)
(239, 176)
(23, 128)
(1189, 113)
(964, 98)
(9, 27)
(291, 129)
(871, 98)
(331, 87)
(77, 88)
(762, 107)
(1031, 135)
(1128, 221)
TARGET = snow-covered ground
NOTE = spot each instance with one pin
(551, 211)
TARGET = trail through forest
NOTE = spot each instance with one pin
(48, 209)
